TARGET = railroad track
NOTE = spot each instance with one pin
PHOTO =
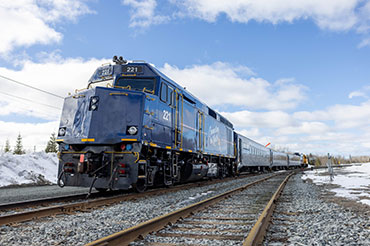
(44, 209)
(44, 201)
(285, 218)
(225, 219)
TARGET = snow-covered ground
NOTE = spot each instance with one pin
(353, 181)
(37, 168)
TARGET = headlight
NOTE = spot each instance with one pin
(94, 100)
(94, 103)
(132, 130)
(62, 131)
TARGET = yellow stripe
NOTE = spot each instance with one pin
(190, 150)
(87, 139)
(59, 140)
(180, 149)
(153, 144)
(128, 139)
(168, 147)
(118, 93)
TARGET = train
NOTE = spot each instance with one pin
(134, 127)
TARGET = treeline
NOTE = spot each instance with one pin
(318, 160)
(51, 146)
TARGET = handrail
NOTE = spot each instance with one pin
(147, 90)
(128, 87)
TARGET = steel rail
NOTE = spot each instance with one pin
(258, 231)
(139, 231)
(42, 201)
(88, 204)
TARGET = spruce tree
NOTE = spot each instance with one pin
(7, 146)
(18, 149)
(52, 145)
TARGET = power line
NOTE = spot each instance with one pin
(20, 83)
(22, 98)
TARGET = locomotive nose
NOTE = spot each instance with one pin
(102, 115)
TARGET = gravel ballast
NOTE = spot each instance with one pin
(82, 228)
(305, 216)
(226, 222)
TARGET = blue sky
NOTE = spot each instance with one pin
(293, 73)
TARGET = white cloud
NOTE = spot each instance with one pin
(330, 14)
(58, 76)
(364, 42)
(333, 15)
(339, 129)
(29, 22)
(356, 94)
(360, 93)
(231, 87)
(304, 128)
(270, 119)
(143, 13)
(344, 116)
(252, 133)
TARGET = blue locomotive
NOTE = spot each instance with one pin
(135, 127)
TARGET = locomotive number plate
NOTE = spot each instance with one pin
(133, 69)
(105, 71)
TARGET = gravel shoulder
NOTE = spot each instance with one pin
(307, 214)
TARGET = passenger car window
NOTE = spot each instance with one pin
(164, 92)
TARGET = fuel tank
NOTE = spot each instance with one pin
(192, 172)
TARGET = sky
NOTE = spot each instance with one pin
(295, 73)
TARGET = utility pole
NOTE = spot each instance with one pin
(330, 168)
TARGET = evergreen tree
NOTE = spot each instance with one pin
(7, 146)
(52, 145)
(18, 149)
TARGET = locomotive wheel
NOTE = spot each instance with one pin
(139, 186)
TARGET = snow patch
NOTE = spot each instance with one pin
(34, 168)
(197, 196)
(353, 181)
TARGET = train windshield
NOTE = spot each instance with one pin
(139, 84)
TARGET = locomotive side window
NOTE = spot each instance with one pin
(212, 113)
(139, 84)
(164, 89)
(171, 97)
